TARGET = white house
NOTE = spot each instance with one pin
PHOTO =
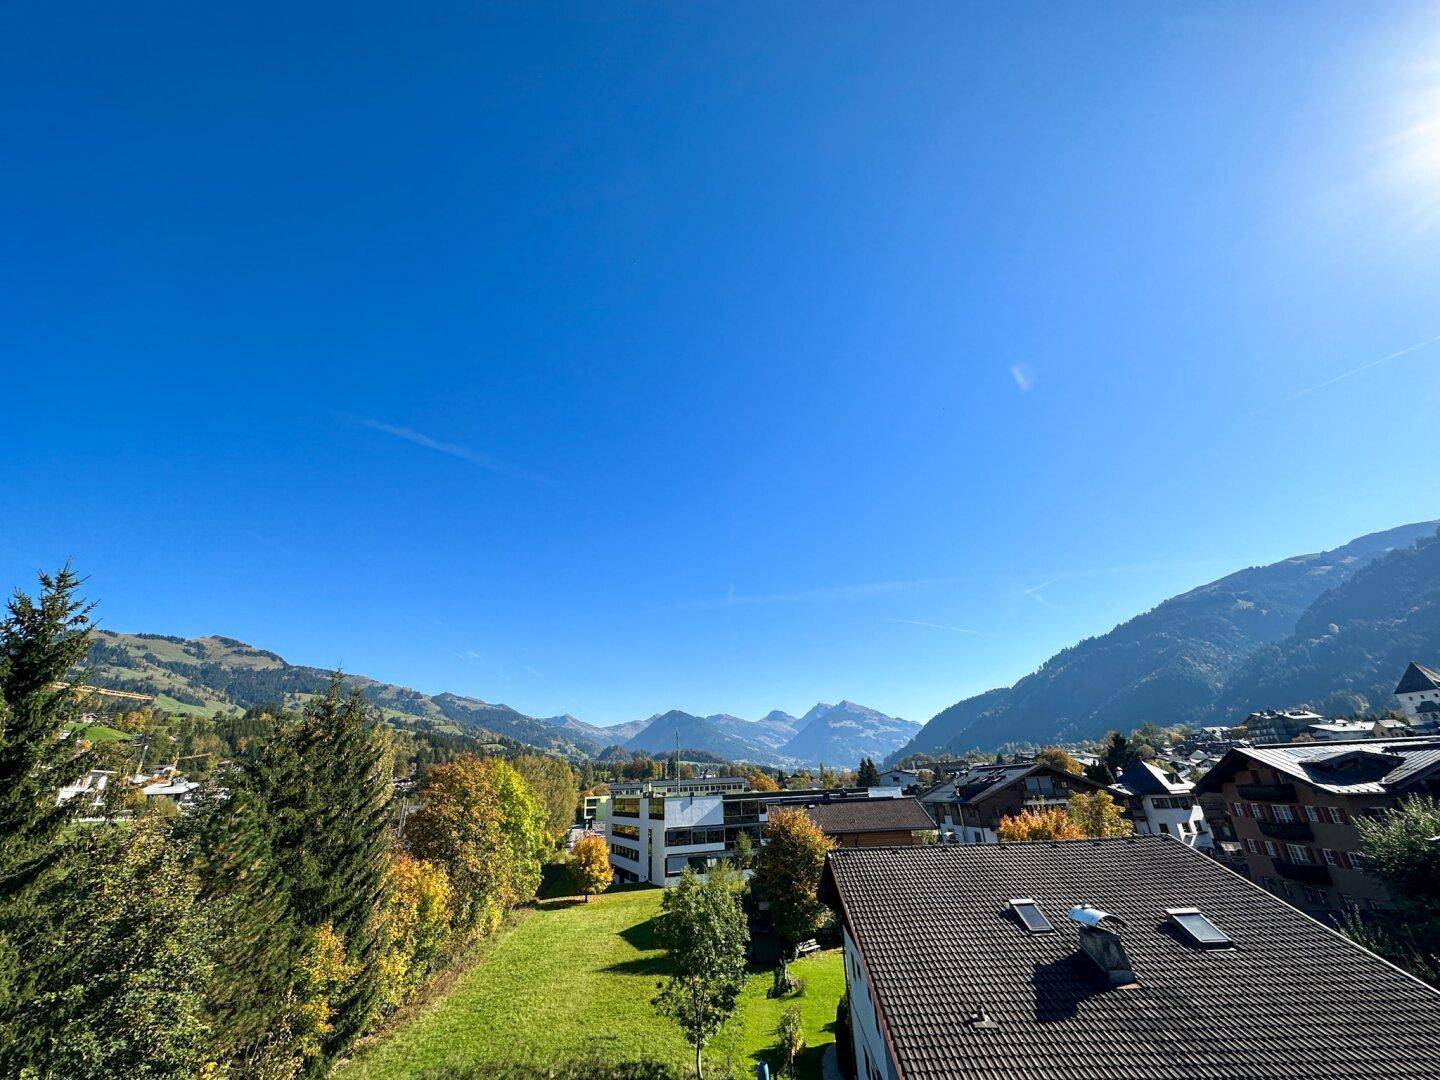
(657, 838)
(899, 778)
(1160, 806)
(90, 788)
(1419, 693)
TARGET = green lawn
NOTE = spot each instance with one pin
(573, 981)
(99, 733)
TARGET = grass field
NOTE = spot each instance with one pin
(99, 733)
(573, 981)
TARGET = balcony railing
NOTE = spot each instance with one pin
(1267, 792)
(1286, 830)
(1305, 873)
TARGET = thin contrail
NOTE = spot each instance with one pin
(1346, 374)
(936, 626)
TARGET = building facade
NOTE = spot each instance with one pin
(656, 838)
(1160, 806)
(968, 807)
(1293, 808)
(1419, 693)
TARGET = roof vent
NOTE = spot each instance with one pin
(979, 1018)
(1100, 941)
(1086, 915)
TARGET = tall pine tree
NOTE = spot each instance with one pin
(41, 640)
(321, 786)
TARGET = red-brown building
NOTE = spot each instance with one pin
(1293, 808)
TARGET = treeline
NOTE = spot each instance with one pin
(260, 933)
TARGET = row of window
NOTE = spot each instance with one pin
(625, 852)
(625, 808)
(1305, 856)
(1286, 813)
(629, 832)
(1318, 897)
(680, 837)
(1173, 802)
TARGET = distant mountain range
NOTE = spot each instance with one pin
(203, 675)
(837, 735)
(1332, 630)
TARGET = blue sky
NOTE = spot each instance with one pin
(614, 358)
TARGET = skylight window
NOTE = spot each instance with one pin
(1030, 916)
(1199, 929)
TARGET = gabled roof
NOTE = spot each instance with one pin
(870, 815)
(984, 781)
(1293, 998)
(1417, 679)
(1142, 778)
(1353, 767)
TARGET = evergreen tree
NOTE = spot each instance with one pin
(121, 963)
(867, 775)
(40, 642)
(258, 1028)
(321, 789)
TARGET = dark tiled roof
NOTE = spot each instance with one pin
(870, 815)
(1142, 778)
(1416, 679)
(983, 781)
(1356, 767)
(1293, 999)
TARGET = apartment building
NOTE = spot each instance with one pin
(657, 837)
(1293, 807)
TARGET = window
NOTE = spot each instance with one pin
(1255, 810)
(1315, 897)
(1239, 809)
(1283, 813)
(1165, 828)
(1199, 929)
(1251, 846)
(629, 832)
(1030, 916)
(1312, 813)
(1271, 849)
(1299, 853)
(1329, 856)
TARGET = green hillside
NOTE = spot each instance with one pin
(219, 674)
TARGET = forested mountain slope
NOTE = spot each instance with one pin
(1169, 665)
(219, 673)
(1350, 646)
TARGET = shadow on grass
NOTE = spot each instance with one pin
(575, 1070)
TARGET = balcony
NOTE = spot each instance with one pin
(1267, 792)
(1286, 830)
(1305, 873)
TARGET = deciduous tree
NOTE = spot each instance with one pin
(1099, 815)
(787, 872)
(553, 782)
(590, 862)
(478, 819)
(1060, 758)
(792, 1036)
(1049, 823)
(702, 927)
